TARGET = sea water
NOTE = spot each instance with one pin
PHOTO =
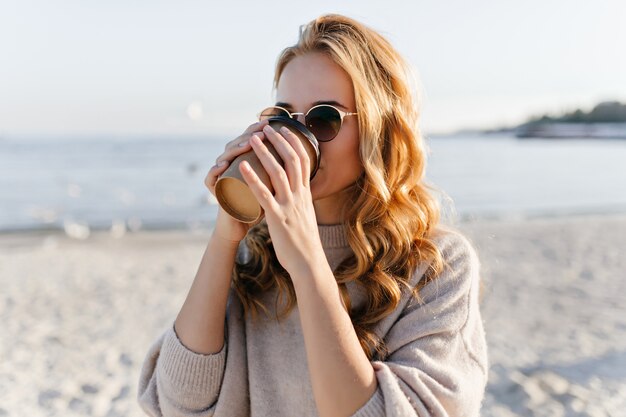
(159, 182)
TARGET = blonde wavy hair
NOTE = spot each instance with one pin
(389, 215)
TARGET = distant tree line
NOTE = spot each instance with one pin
(605, 112)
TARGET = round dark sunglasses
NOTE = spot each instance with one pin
(323, 120)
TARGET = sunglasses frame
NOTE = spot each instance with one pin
(342, 114)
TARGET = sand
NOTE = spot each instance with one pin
(553, 308)
(77, 316)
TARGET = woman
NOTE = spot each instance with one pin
(348, 299)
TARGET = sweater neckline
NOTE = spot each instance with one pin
(333, 236)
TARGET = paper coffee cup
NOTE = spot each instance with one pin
(232, 191)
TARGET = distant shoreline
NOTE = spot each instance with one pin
(545, 130)
(607, 120)
(561, 130)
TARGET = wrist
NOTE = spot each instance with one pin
(311, 274)
(229, 242)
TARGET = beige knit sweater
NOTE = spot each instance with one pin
(437, 363)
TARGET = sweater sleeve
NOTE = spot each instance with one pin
(177, 382)
(437, 362)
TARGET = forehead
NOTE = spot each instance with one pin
(313, 77)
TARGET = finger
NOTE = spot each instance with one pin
(277, 174)
(305, 161)
(245, 142)
(261, 192)
(244, 138)
(236, 150)
(254, 127)
(289, 156)
(214, 172)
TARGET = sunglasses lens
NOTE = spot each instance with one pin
(272, 112)
(324, 122)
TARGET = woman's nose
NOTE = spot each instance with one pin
(298, 116)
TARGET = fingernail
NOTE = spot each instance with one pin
(221, 163)
(284, 129)
(242, 144)
(268, 128)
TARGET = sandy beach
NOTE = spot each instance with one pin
(77, 316)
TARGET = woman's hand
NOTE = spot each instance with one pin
(227, 227)
(289, 213)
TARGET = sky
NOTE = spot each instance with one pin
(145, 68)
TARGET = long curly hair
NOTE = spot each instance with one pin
(390, 214)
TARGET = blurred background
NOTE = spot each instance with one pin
(111, 113)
